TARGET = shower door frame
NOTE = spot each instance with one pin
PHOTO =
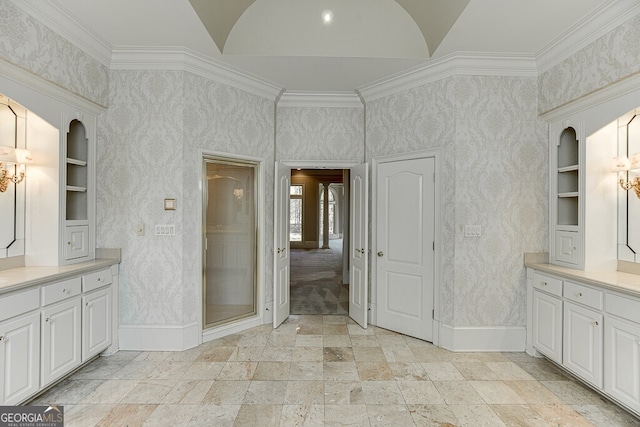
(223, 329)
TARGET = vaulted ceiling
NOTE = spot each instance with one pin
(287, 42)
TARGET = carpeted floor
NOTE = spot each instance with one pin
(316, 281)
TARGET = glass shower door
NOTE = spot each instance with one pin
(230, 227)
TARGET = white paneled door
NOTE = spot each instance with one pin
(358, 246)
(405, 249)
(281, 295)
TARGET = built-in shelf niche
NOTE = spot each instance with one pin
(76, 173)
(568, 178)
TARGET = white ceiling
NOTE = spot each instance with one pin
(284, 41)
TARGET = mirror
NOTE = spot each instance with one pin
(628, 201)
(12, 202)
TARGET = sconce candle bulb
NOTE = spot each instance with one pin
(12, 165)
(623, 165)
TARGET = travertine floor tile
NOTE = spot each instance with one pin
(302, 416)
(304, 392)
(327, 371)
(214, 415)
(346, 415)
(389, 415)
(420, 393)
(496, 392)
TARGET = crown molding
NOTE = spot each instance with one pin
(182, 59)
(598, 23)
(61, 21)
(320, 99)
(456, 64)
(39, 85)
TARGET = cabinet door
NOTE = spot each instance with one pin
(76, 242)
(547, 325)
(19, 358)
(60, 340)
(568, 246)
(96, 322)
(582, 343)
(622, 362)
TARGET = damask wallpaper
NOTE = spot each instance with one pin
(149, 148)
(494, 175)
(608, 60)
(323, 133)
(27, 43)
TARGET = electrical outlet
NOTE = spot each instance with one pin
(140, 229)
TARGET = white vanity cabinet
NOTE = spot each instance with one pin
(96, 313)
(60, 331)
(49, 329)
(622, 350)
(19, 358)
(582, 342)
(591, 330)
(547, 314)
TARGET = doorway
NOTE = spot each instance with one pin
(318, 214)
(357, 244)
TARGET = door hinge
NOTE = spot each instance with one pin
(433, 314)
(434, 245)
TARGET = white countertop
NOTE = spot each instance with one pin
(24, 277)
(613, 280)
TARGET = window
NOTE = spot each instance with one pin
(295, 213)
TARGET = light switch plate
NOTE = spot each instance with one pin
(472, 231)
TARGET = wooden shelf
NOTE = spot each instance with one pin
(568, 168)
(76, 188)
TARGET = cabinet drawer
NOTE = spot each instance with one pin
(627, 308)
(96, 280)
(584, 295)
(547, 284)
(17, 304)
(60, 291)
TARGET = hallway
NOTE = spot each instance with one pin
(316, 281)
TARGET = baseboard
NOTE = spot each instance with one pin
(483, 338)
(232, 328)
(158, 337)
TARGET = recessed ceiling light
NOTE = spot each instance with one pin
(327, 16)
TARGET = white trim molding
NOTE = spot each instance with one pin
(483, 338)
(599, 22)
(456, 64)
(183, 59)
(159, 337)
(61, 21)
(320, 99)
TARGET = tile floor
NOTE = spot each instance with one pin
(316, 281)
(326, 370)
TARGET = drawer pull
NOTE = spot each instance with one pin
(69, 243)
(87, 304)
(579, 294)
(544, 283)
(595, 323)
(65, 290)
(48, 319)
(99, 279)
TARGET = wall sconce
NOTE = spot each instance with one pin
(623, 165)
(12, 165)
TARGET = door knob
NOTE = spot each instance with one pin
(380, 253)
